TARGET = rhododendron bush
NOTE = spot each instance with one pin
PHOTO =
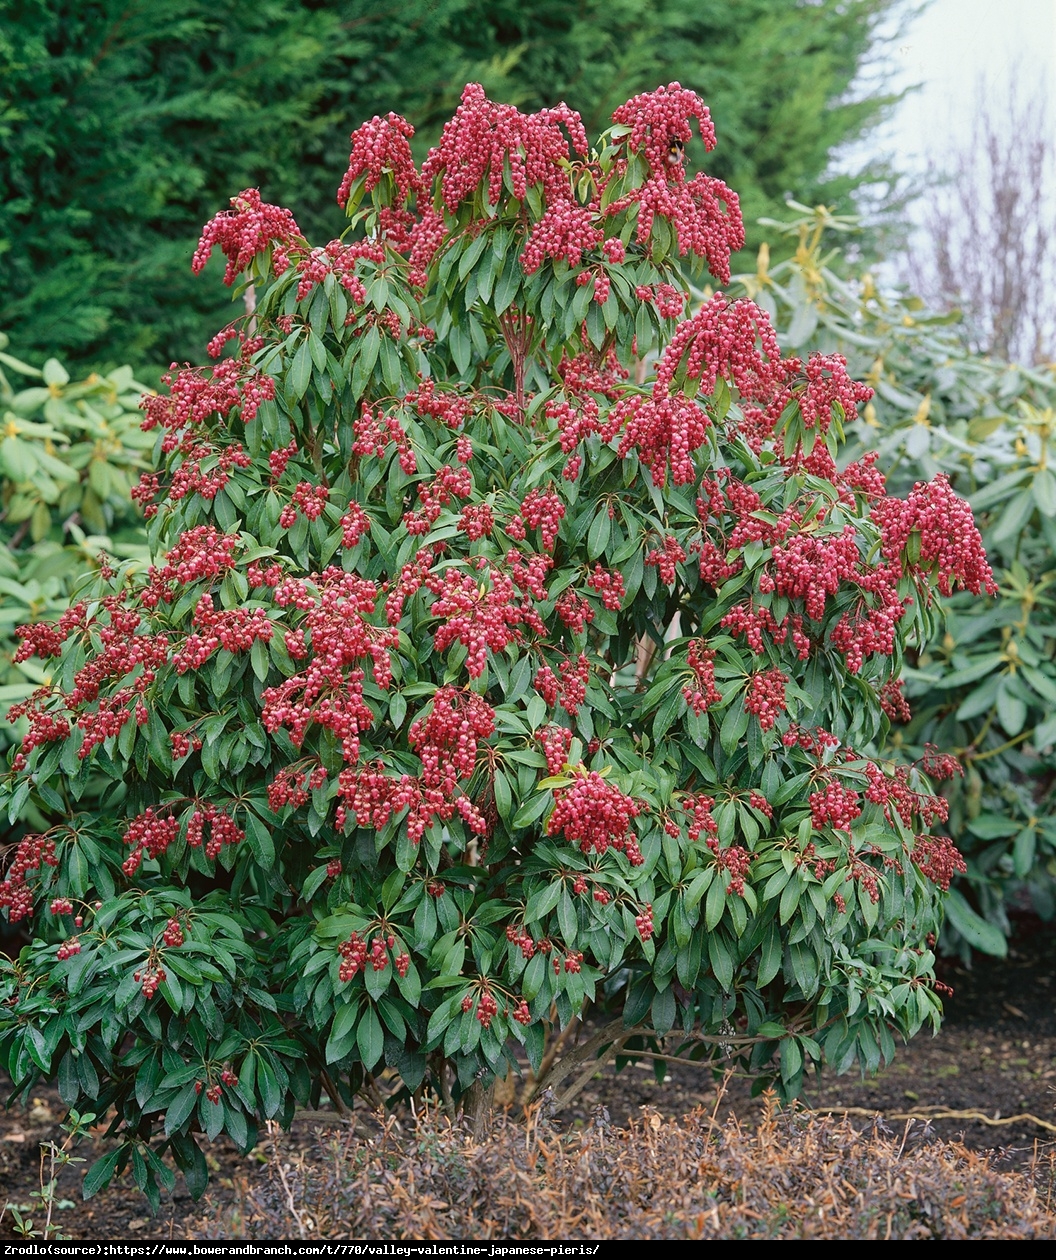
(514, 644)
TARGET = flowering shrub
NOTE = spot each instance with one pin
(984, 685)
(70, 453)
(512, 644)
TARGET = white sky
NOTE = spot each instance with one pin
(949, 49)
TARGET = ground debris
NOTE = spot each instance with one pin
(794, 1175)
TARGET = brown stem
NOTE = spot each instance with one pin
(557, 1044)
(571, 1061)
(333, 1093)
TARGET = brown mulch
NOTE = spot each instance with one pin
(996, 1054)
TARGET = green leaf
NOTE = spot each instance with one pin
(1014, 517)
(342, 1032)
(1023, 851)
(1044, 491)
(270, 1093)
(180, 1109)
(770, 956)
(1011, 710)
(260, 841)
(715, 906)
(663, 1011)
(600, 531)
(300, 372)
(734, 726)
(370, 1038)
(991, 826)
(541, 902)
(976, 931)
(98, 1176)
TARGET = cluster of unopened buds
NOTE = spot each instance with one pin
(572, 963)
(309, 499)
(173, 934)
(150, 977)
(822, 867)
(702, 693)
(609, 586)
(813, 740)
(294, 786)
(374, 431)
(644, 923)
(834, 805)
(183, 744)
(939, 859)
(893, 702)
(246, 230)
(556, 741)
(354, 951)
(487, 1007)
(668, 300)
(447, 485)
(758, 801)
(482, 616)
(151, 833)
(935, 527)
(69, 947)
(699, 808)
(519, 937)
(736, 860)
(476, 521)
(666, 558)
(765, 697)
(543, 510)
(940, 765)
(574, 611)
(601, 895)
(378, 956)
(356, 954)
(222, 830)
(447, 738)
(213, 1092)
(596, 815)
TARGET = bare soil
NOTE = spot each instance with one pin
(996, 1054)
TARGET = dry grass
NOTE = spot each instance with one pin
(794, 1176)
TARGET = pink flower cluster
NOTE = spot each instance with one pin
(375, 432)
(659, 123)
(485, 142)
(328, 692)
(765, 696)
(705, 214)
(33, 852)
(446, 739)
(555, 741)
(196, 395)
(339, 260)
(939, 859)
(701, 693)
(946, 532)
(482, 616)
(827, 384)
(246, 230)
(665, 558)
(381, 147)
(596, 815)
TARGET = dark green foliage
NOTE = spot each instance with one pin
(123, 127)
(984, 686)
(70, 452)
